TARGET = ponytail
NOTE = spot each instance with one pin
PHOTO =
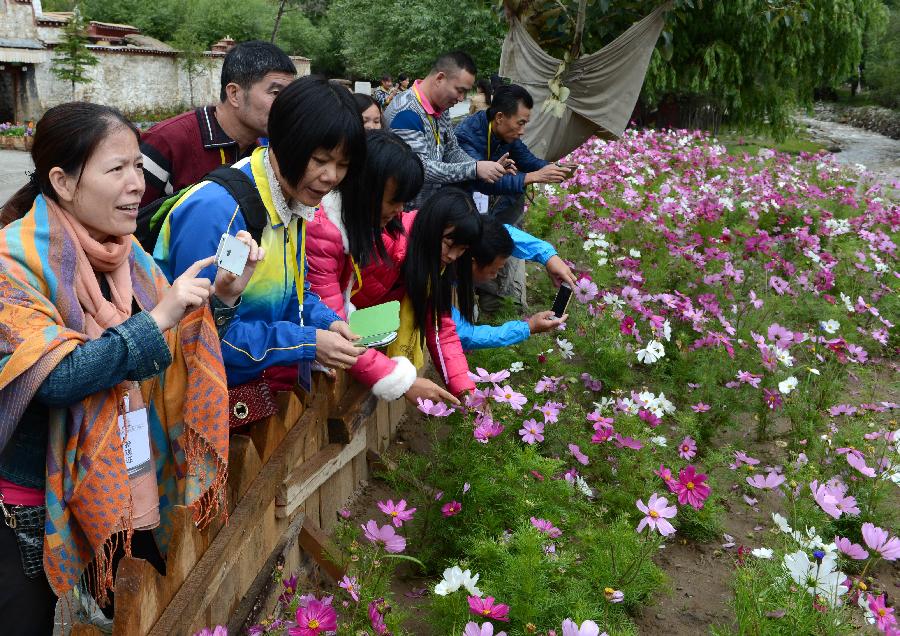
(19, 203)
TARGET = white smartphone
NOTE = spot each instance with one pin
(232, 254)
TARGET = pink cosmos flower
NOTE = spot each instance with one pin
(350, 584)
(745, 377)
(532, 431)
(397, 512)
(218, 630)
(487, 429)
(842, 409)
(550, 411)
(666, 475)
(385, 535)
(508, 396)
(627, 442)
(858, 461)
(546, 527)
(878, 541)
(833, 500)
(486, 629)
(769, 481)
(772, 398)
(313, 619)
(741, 458)
(450, 509)
(690, 487)
(434, 409)
(486, 608)
(884, 615)
(578, 455)
(483, 376)
(604, 432)
(657, 512)
(700, 407)
(687, 449)
(585, 290)
(852, 550)
(588, 628)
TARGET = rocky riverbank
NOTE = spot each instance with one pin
(884, 121)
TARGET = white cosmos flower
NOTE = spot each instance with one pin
(651, 353)
(788, 385)
(762, 553)
(566, 348)
(659, 440)
(782, 523)
(830, 326)
(515, 367)
(454, 578)
(634, 253)
(784, 357)
(819, 578)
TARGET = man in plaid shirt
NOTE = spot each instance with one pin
(421, 117)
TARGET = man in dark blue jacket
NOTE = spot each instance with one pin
(493, 133)
(490, 134)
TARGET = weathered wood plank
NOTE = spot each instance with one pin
(350, 414)
(317, 544)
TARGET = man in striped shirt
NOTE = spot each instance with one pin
(180, 151)
(421, 117)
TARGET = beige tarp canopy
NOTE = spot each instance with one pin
(602, 87)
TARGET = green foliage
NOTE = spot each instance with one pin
(883, 67)
(404, 37)
(73, 58)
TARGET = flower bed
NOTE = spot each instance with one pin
(718, 296)
(16, 136)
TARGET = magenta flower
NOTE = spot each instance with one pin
(487, 429)
(486, 608)
(313, 619)
(385, 535)
(578, 455)
(546, 527)
(398, 512)
(435, 409)
(769, 481)
(687, 449)
(604, 432)
(218, 630)
(623, 441)
(377, 609)
(883, 615)
(772, 398)
(657, 512)
(852, 550)
(450, 509)
(507, 395)
(666, 475)
(532, 431)
(878, 541)
(690, 487)
(350, 584)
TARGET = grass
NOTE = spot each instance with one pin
(751, 144)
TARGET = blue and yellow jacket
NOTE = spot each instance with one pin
(267, 330)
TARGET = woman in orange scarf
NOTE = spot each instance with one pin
(112, 388)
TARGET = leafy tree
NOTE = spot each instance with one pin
(883, 67)
(190, 56)
(396, 36)
(72, 57)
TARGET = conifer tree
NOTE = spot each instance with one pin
(73, 58)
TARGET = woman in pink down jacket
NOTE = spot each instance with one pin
(362, 266)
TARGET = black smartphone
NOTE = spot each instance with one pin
(562, 300)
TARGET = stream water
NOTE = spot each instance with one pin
(879, 154)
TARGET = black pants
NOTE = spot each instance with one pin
(26, 605)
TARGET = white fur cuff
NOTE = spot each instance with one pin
(397, 382)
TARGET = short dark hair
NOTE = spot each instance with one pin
(364, 102)
(453, 62)
(249, 62)
(495, 242)
(386, 77)
(311, 113)
(402, 77)
(506, 100)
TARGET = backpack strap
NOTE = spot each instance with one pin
(243, 190)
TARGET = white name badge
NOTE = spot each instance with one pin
(136, 441)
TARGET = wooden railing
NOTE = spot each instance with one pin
(288, 477)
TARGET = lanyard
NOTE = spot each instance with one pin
(358, 278)
(431, 119)
(298, 273)
(222, 154)
(490, 125)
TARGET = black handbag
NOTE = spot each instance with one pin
(27, 523)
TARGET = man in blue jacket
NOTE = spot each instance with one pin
(498, 243)
(497, 131)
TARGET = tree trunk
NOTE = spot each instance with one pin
(191, 86)
(278, 20)
(579, 28)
